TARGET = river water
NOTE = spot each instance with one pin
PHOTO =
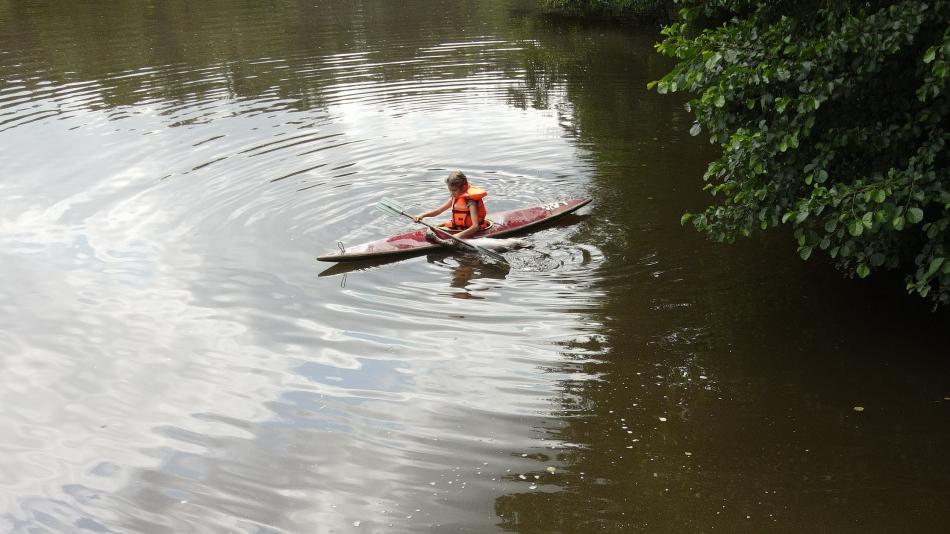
(174, 359)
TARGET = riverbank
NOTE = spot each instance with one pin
(623, 10)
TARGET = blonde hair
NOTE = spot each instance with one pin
(456, 180)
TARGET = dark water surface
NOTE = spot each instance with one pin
(172, 360)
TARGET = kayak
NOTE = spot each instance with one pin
(503, 223)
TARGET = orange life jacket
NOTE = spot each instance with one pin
(461, 217)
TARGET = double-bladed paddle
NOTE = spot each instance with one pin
(391, 207)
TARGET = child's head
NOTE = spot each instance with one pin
(457, 183)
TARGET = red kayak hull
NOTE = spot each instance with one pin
(504, 223)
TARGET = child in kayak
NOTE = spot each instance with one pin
(468, 209)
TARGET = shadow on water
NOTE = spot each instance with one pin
(467, 261)
(796, 400)
(738, 389)
(345, 267)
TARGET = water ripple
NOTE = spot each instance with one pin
(173, 363)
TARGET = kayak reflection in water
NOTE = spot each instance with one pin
(468, 210)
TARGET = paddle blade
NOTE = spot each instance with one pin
(494, 256)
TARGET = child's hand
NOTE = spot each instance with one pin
(417, 218)
(445, 242)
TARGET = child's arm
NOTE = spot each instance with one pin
(432, 213)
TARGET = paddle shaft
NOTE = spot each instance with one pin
(441, 230)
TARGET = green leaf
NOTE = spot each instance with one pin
(930, 54)
(863, 270)
(856, 228)
(935, 264)
(713, 61)
(898, 222)
(805, 252)
(879, 196)
(877, 259)
(694, 131)
(685, 218)
(915, 215)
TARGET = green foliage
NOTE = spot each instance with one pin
(832, 118)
